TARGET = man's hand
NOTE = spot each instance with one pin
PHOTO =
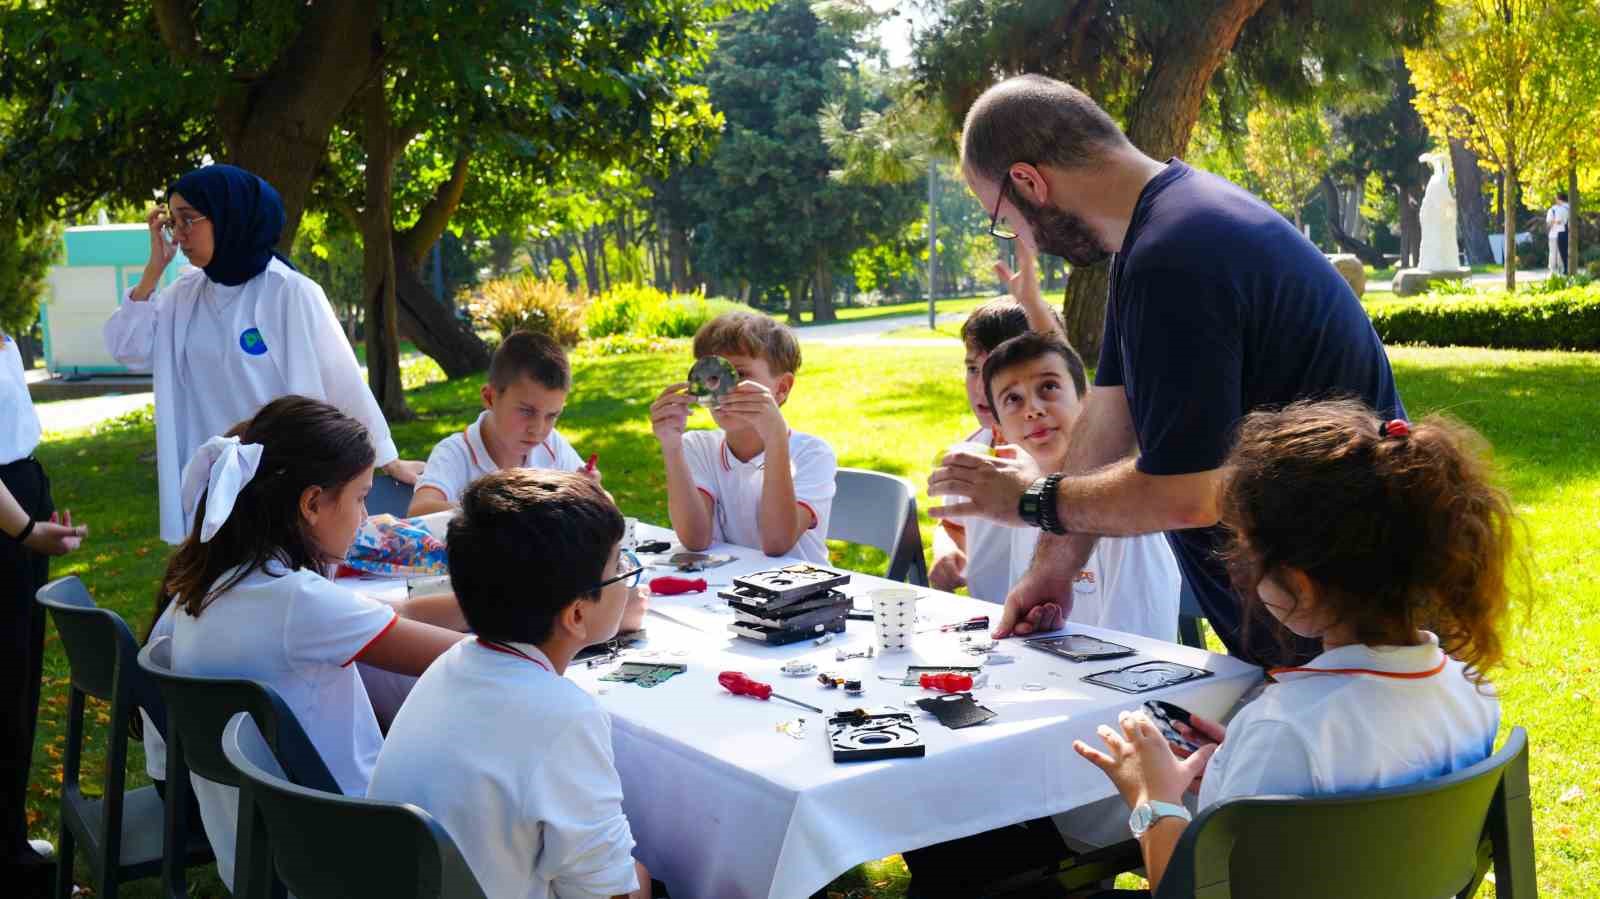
(669, 415)
(1039, 602)
(57, 536)
(1140, 762)
(949, 571)
(406, 471)
(754, 405)
(991, 485)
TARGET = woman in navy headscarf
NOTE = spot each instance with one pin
(235, 332)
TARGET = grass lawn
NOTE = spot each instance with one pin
(1523, 402)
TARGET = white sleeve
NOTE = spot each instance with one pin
(329, 625)
(567, 458)
(815, 468)
(700, 450)
(339, 373)
(577, 797)
(130, 333)
(1142, 585)
(448, 468)
(1259, 757)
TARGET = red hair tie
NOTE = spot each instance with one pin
(1396, 427)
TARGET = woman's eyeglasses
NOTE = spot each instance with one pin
(180, 224)
(632, 569)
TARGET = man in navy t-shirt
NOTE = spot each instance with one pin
(1217, 307)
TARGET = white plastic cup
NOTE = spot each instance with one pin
(894, 617)
(629, 538)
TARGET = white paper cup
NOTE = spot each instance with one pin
(629, 538)
(894, 617)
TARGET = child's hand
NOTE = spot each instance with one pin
(1023, 285)
(949, 571)
(1199, 730)
(753, 405)
(669, 415)
(1141, 764)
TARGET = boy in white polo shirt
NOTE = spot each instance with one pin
(529, 379)
(510, 756)
(753, 482)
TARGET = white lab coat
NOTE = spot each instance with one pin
(206, 378)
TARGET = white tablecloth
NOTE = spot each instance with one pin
(724, 805)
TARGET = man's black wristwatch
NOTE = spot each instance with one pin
(1037, 507)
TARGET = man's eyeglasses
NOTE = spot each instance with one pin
(628, 561)
(998, 228)
(180, 224)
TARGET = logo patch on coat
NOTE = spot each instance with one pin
(250, 341)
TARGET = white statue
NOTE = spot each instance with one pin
(1439, 251)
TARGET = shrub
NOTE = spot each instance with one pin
(683, 315)
(647, 312)
(1568, 319)
(626, 344)
(523, 302)
(617, 310)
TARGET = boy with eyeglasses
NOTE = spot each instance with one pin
(510, 756)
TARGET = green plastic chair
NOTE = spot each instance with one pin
(198, 710)
(323, 844)
(1426, 840)
(121, 833)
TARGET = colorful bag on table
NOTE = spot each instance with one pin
(397, 547)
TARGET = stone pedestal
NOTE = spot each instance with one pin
(1351, 269)
(1412, 281)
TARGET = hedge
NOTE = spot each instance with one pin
(1561, 320)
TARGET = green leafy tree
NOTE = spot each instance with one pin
(1288, 150)
(25, 258)
(1513, 80)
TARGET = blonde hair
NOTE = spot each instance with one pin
(750, 334)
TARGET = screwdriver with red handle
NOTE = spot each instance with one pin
(667, 585)
(741, 685)
(947, 682)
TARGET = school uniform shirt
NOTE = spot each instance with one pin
(735, 488)
(460, 459)
(19, 423)
(988, 545)
(220, 353)
(298, 633)
(515, 762)
(1129, 584)
(1401, 714)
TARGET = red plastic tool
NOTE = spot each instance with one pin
(588, 467)
(668, 585)
(741, 685)
(949, 682)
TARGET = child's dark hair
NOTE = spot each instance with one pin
(526, 544)
(1027, 347)
(750, 334)
(997, 321)
(305, 443)
(526, 354)
(1398, 532)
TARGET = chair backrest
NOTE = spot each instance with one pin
(1422, 840)
(879, 510)
(327, 845)
(388, 495)
(99, 645)
(199, 708)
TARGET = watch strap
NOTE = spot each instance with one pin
(1148, 813)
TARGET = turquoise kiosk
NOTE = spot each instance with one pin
(102, 263)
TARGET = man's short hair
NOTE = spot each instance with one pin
(526, 544)
(1561, 195)
(996, 322)
(524, 354)
(1026, 348)
(1037, 120)
(750, 334)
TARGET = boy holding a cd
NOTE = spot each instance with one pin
(752, 481)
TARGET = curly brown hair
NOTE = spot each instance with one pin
(1398, 533)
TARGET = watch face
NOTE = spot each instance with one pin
(1139, 820)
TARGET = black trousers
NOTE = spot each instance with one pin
(1561, 244)
(22, 573)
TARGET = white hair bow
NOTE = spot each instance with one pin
(219, 470)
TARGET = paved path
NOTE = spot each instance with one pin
(871, 331)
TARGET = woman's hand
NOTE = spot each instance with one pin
(406, 471)
(57, 536)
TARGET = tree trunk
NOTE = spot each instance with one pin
(678, 256)
(1510, 198)
(28, 348)
(1368, 254)
(1572, 205)
(1410, 226)
(822, 291)
(432, 326)
(377, 256)
(278, 126)
(797, 299)
(1474, 216)
(1160, 123)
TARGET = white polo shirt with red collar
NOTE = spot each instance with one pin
(1352, 719)
(460, 459)
(735, 488)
